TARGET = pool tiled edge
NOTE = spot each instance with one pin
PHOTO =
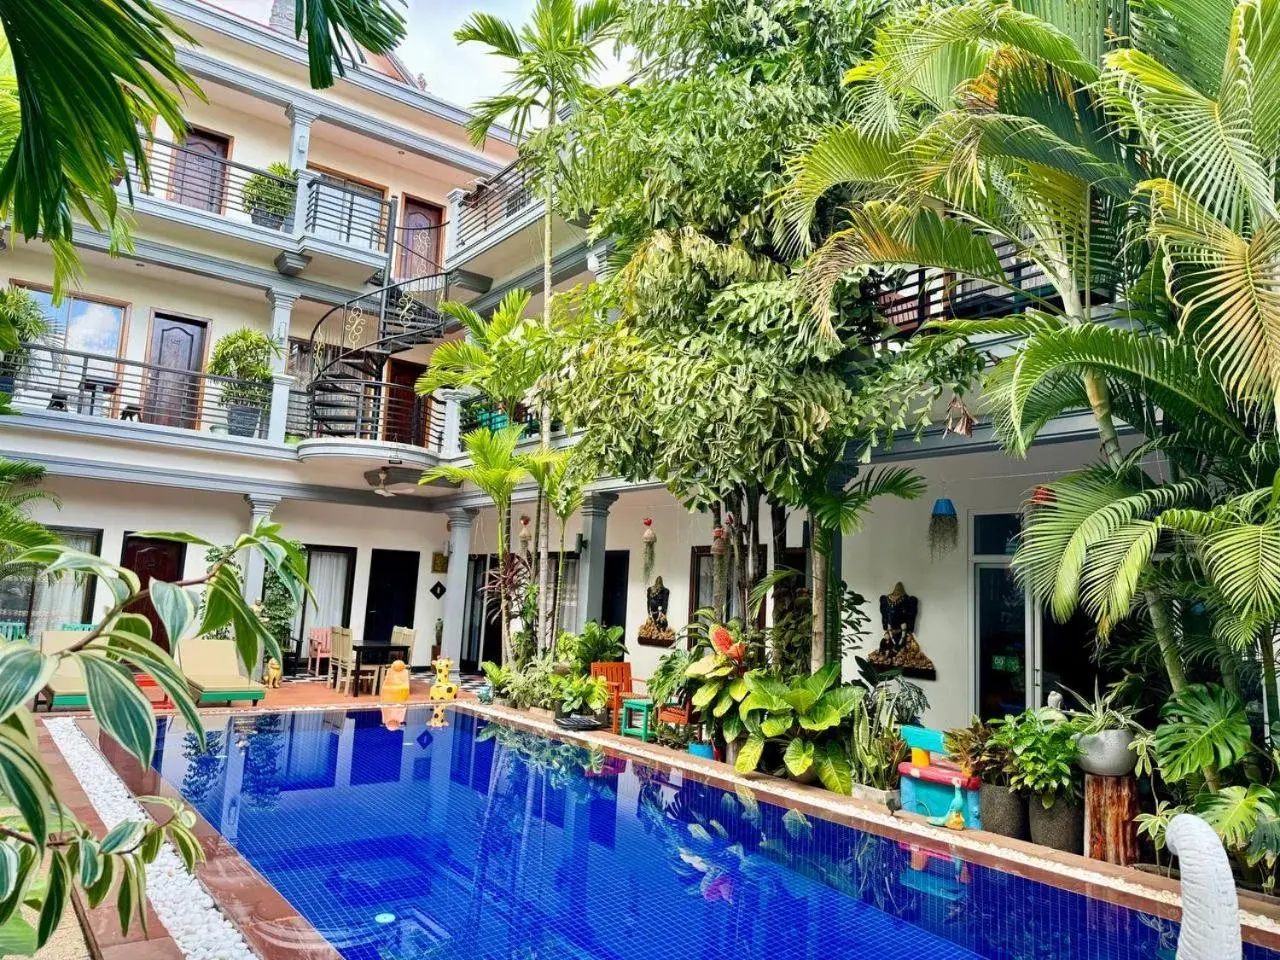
(272, 926)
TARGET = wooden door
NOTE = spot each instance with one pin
(199, 171)
(419, 240)
(393, 592)
(406, 411)
(153, 559)
(173, 393)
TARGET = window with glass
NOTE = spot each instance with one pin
(331, 572)
(85, 377)
(31, 603)
(702, 566)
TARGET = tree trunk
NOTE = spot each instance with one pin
(783, 591)
(504, 519)
(719, 567)
(753, 551)
(1267, 648)
(818, 595)
(544, 407)
(555, 611)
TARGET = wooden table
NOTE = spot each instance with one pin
(376, 655)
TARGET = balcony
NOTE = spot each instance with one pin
(345, 228)
(103, 392)
(478, 412)
(919, 296)
(493, 203)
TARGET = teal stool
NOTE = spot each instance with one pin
(631, 710)
(13, 630)
(77, 627)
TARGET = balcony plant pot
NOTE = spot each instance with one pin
(1106, 753)
(1059, 827)
(702, 750)
(242, 421)
(1003, 811)
(269, 199)
(266, 218)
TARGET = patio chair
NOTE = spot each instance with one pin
(212, 669)
(75, 627)
(318, 641)
(66, 688)
(13, 630)
(621, 687)
(342, 662)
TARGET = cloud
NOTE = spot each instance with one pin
(464, 73)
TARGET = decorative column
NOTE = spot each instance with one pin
(260, 508)
(598, 259)
(595, 525)
(300, 120)
(451, 436)
(454, 220)
(281, 313)
(455, 582)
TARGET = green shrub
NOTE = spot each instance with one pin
(268, 194)
(244, 356)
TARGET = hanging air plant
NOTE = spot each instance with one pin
(944, 528)
(650, 539)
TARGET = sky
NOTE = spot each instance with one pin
(463, 73)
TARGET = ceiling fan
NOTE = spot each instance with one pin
(381, 489)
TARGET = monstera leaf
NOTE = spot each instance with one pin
(1204, 726)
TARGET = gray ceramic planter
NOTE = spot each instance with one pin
(1061, 827)
(1106, 754)
(1003, 811)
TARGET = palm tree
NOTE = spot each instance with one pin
(496, 469)
(82, 79)
(551, 61)
(18, 532)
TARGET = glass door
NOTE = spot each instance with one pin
(1001, 640)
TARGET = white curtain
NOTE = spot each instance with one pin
(55, 602)
(327, 572)
(568, 592)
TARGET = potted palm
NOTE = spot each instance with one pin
(1041, 747)
(1106, 733)
(20, 311)
(269, 199)
(243, 357)
(975, 750)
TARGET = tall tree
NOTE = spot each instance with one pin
(693, 361)
(551, 61)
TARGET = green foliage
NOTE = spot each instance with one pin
(271, 194)
(499, 677)
(579, 693)
(41, 835)
(533, 685)
(244, 357)
(1041, 750)
(22, 320)
(595, 644)
(1203, 726)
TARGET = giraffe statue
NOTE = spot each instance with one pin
(1210, 912)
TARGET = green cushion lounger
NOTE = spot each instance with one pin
(66, 688)
(212, 669)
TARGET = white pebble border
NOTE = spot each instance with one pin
(198, 927)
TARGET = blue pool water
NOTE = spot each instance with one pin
(480, 842)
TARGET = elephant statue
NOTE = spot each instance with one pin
(1210, 911)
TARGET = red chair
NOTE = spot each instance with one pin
(618, 677)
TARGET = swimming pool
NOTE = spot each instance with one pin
(479, 841)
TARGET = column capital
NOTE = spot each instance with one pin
(261, 504)
(455, 195)
(598, 504)
(281, 299)
(301, 114)
(454, 394)
(461, 515)
(598, 257)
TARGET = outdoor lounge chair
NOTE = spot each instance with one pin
(66, 688)
(212, 669)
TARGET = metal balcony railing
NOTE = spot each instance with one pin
(203, 181)
(493, 202)
(359, 409)
(345, 213)
(478, 412)
(919, 296)
(50, 378)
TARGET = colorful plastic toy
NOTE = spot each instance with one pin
(443, 689)
(933, 786)
(393, 718)
(395, 685)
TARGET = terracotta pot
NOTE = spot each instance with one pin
(1107, 753)
(1061, 827)
(1003, 811)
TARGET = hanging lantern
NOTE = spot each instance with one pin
(650, 539)
(944, 528)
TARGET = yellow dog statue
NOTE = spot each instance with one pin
(272, 679)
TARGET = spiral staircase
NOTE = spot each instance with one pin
(347, 396)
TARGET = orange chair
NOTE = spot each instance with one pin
(618, 677)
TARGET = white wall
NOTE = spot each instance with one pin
(119, 508)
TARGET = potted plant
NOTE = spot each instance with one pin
(1041, 747)
(267, 199)
(974, 749)
(244, 358)
(20, 311)
(1106, 733)
(581, 696)
(499, 677)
